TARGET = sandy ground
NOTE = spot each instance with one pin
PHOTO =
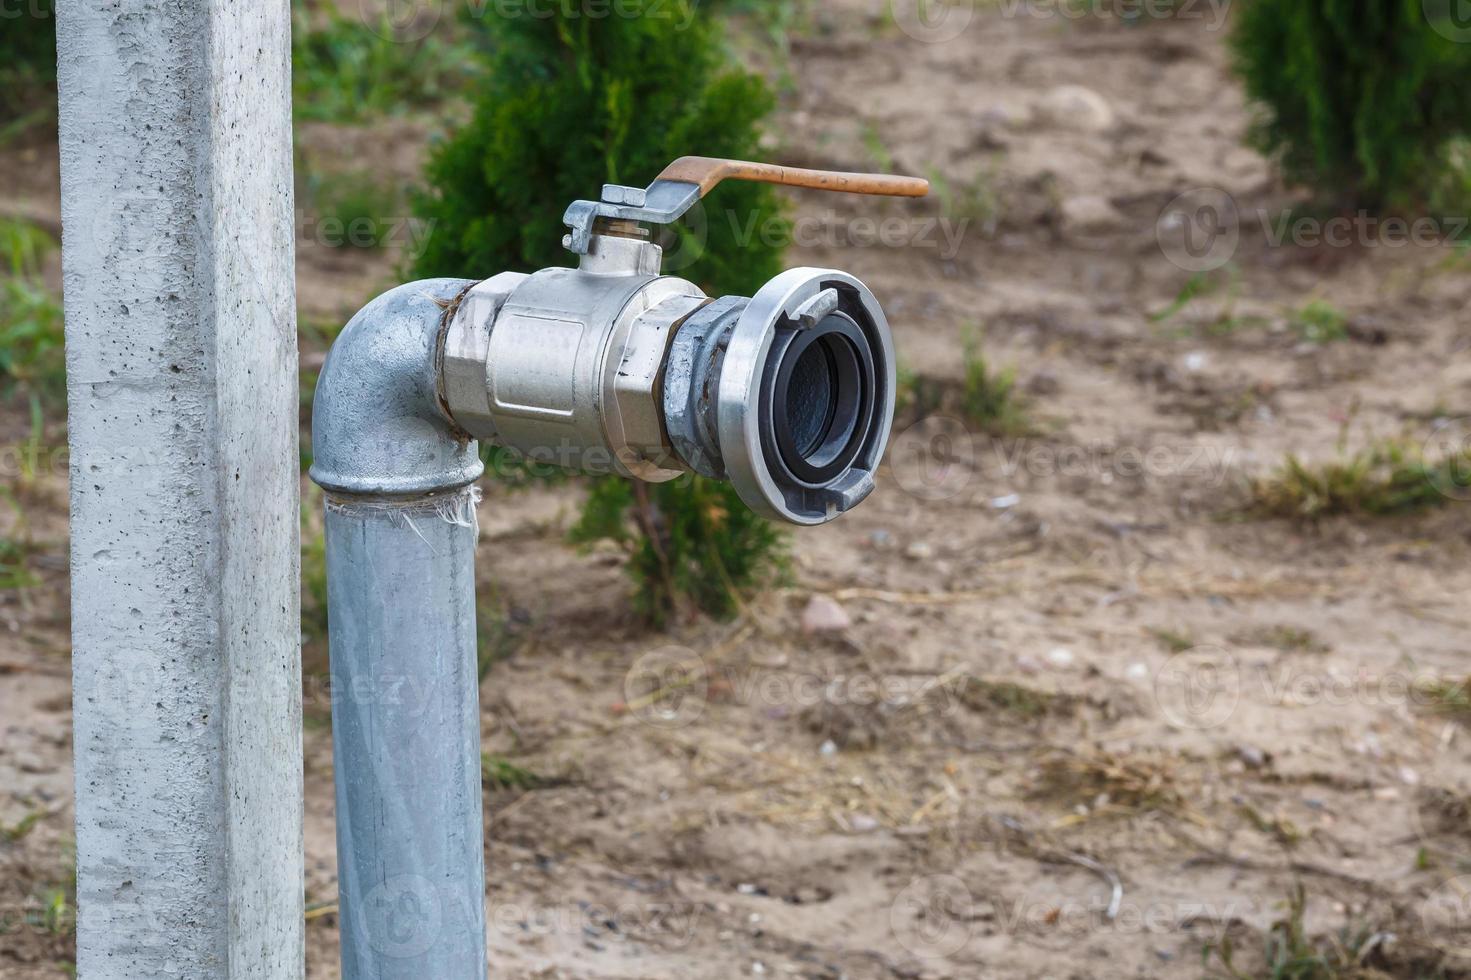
(1086, 719)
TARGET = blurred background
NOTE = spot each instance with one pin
(1149, 656)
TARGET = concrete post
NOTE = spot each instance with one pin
(181, 359)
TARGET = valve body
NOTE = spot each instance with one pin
(613, 368)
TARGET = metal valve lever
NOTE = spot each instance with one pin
(688, 179)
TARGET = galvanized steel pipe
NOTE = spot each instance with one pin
(400, 529)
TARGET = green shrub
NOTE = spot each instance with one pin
(691, 537)
(27, 56)
(1362, 99)
(569, 103)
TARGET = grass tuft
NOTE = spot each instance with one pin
(1319, 323)
(989, 397)
(1290, 953)
(977, 201)
(1119, 783)
(1281, 636)
(985, 695)
(1173, 640)
(1391, 476)
(1447, 697)
(501, 773)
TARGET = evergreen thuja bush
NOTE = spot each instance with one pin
(1362, 100)
(27, 58)
(568, 102)
(692, 538)
(571, 102)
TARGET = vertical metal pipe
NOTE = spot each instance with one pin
(400, 541)
(406, 736)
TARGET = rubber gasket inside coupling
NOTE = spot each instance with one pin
(817, 399)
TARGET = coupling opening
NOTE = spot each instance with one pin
(804, 394)
(820, 398)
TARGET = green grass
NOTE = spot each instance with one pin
(1199, 284)
(1447, 697)
(32, 344)
(778, 21)
(497, 634)
(1319, 323)
(313, 569)
(1316, 321)
(989, 398)
(15, 570)
(1172, 640)
(976, 201)
(18, 831)
(877, 149)
(1290, 953)
(919, 395)
(1283, 637)
(343, 70)
(1389, 477)
(16, 546)
(501, 773)
(986, 696)
(353, 209)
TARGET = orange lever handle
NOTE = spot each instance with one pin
(709, 171)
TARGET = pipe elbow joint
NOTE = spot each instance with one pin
(378, 428)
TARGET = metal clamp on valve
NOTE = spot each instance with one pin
(612, 367)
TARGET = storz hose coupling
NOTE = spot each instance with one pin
(614, 368)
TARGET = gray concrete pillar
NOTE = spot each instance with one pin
(181, 360)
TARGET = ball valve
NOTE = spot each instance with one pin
(613, 367)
